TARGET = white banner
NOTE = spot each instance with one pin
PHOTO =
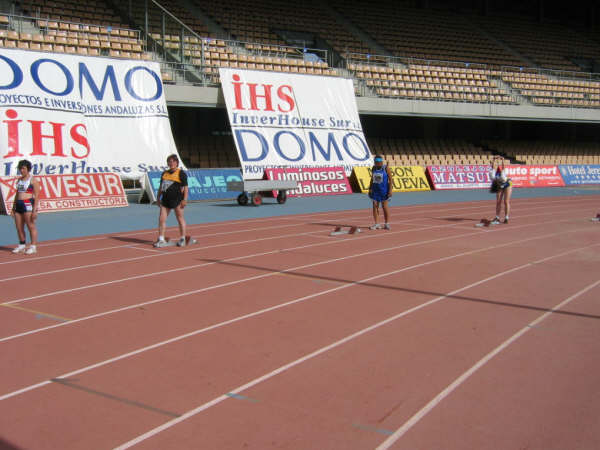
(77, 114)
(292, 120)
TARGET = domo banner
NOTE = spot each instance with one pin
(71, 114)
(292, 120)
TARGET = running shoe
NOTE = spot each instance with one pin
(387, 226)
(19, 248)
(505, 220)
(160, 243)
(495, 222)
(375, 227)
(31, 250)
(181, 242)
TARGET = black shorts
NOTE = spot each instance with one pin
(24, 206)
(170, 202)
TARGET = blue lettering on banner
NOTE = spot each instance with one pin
(578, 174)
(204, 184)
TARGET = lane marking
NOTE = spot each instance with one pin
(462, 378)
(318, 352)
(296, 301)
(37, 313)
(231, 283)
(372, 428)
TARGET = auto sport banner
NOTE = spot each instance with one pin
(293, 120)
(404, 178)
(71, 114)
(312, 180)
(460, 176)
(69, 192)
(203, 184)
(576, 174)
(534, 176)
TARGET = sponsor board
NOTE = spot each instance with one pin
(577, 174)
(460, 176)
(404, 178)
(312, 181)
(70, 192)
(203, 184)
(72, 114)
(534, 176)
(293, 120)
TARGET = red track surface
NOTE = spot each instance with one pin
(272, 334)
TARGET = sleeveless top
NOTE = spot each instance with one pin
(380, 180)
(25, 186)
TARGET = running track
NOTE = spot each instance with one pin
(272, 334)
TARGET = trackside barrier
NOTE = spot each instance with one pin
(404, 178)
(578, 174)
(476, 176)
(203, 184)
(69, 192)
(312, 181)
(534, 176)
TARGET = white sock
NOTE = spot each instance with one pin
(161, 238)
(506, 217)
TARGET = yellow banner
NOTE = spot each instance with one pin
(404, 178)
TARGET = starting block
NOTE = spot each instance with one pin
(485, 223)
(173, 243)
(344, 230)
(596, 219)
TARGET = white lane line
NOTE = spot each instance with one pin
(462, 378)
(335, 214)
(299, 300)
(322, 350)
(231, 283)
(137, 258)
(195, 266)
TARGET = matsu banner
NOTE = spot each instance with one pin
(293, 121)
(71, 114)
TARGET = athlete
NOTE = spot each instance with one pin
(172, 195)
(25, 208)
(502, 187)
(380, 191)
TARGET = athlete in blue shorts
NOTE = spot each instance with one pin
(25, 208)
(380, 191)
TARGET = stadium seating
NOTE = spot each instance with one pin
(548, 152)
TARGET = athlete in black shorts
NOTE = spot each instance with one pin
(172, 195)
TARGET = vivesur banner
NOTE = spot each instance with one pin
(292, 120)
(404, 178)
(69, 192)
(71, 114)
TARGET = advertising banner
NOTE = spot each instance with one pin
(534, 176)
(575, 174)
(404, 178)
(293, 120)
(70, 192)
(313, 181)
(460, 176)
(203, 184)
(71, 114)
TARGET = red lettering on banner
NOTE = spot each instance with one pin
(80, 139)
(37, 136)
(12, 134)
(284, 93)
(71, 191)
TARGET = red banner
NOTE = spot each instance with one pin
(69, 192)
(313, 180)
(534, 176)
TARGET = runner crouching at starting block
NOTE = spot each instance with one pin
(172, 195)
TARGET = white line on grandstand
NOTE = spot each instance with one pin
(232, 283)
(462, 378)
(282, 305)
(325, 349)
